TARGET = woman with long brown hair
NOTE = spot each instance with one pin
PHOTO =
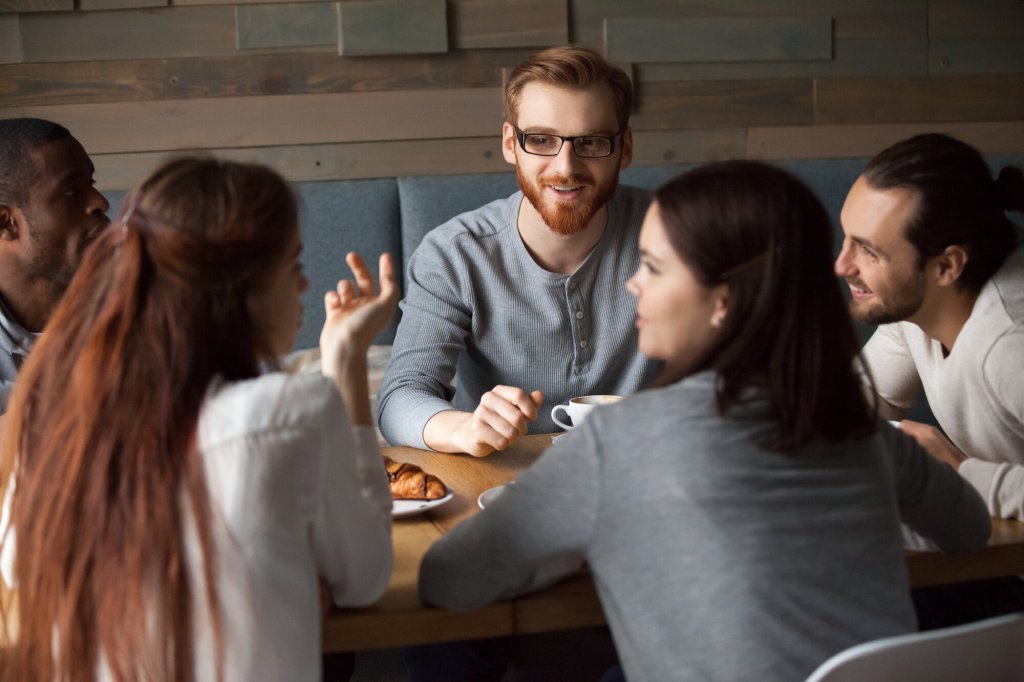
(173, 499)
(741, 519)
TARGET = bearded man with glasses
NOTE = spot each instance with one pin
(523, 300)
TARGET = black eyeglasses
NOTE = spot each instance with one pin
(585, 146)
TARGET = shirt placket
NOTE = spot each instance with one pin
(582, 346)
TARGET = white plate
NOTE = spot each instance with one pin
(402, 508)
(490, 495)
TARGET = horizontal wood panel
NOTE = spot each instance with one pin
(488, 24)
(37, 5)
(124, 34)
(718, 39)
(363, 160)
(900, 100)
(853, 18)
(701, 104)
(837, 141)
(976, 55)
(655, 147)
(960, 18)
(380, 27)
(851, 57)
(287, 25)
(278, 120)
(94, 5)
(10, 41)
(256, 74)
(346, 161)
(69, 82)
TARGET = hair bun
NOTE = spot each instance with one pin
(1010, 188)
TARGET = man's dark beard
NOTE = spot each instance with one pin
(906, 305)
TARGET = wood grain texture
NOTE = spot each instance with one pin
(381, 27)
(451, 156)
(71, 82)
(989, 55)
(279, 120)
(10, 42)
(319, 162)
(94, 5)
(326, 73)
(36, 5)
(476, 24)
(853, 18)
(287, 25)
(255, 74)
(655, 147)
(852, 57)
(703, 104)
(718, 39)
(838, 141)
(127, 34)
(975, 18)
(904, 100)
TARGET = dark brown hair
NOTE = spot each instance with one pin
(101, 431)
(570, 66)
(787, 332)
(958, 203)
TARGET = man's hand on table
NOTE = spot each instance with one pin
(503, 415)
(935, 442)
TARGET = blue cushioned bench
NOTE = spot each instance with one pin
(393, 214)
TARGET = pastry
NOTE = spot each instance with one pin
(409, 482)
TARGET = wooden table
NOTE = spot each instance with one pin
(401, 619)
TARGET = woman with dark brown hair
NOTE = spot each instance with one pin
(175, 498)
(741, 519)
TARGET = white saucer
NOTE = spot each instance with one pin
(402, 508)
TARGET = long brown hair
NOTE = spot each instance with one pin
(787, 332)
(101, 430)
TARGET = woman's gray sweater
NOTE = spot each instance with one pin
(714, 558)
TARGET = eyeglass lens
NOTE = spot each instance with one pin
(550, 145)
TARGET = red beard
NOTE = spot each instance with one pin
(563, 217)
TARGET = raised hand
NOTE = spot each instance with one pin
(356, 313)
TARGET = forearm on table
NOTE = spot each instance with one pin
(441, 431)
(404, 406)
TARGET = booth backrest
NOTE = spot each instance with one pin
(393, 214)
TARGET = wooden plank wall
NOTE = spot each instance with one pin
(374, 88)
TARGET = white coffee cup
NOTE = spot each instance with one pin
(579, 407)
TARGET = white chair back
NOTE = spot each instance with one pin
(991, 650)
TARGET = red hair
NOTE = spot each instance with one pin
(101, 430)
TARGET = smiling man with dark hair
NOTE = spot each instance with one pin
(49, 213)
(931, 256)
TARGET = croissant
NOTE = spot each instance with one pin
(409, 482)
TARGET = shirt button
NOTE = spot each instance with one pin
(579, 314)
(572, 285)
(583, 343)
